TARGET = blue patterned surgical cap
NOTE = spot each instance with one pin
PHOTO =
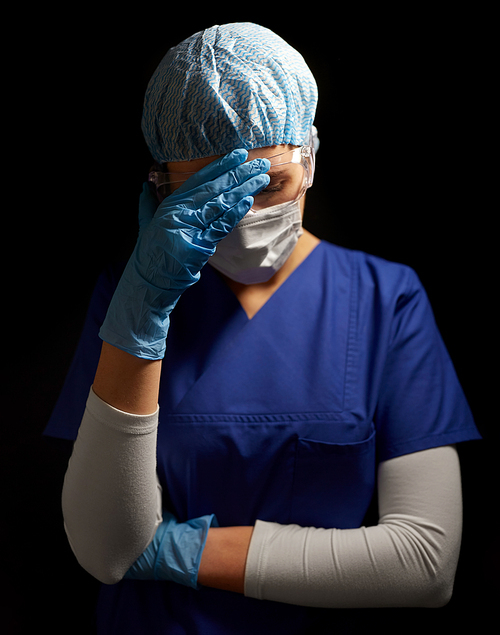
(232, 86)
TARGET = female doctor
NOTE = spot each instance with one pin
(232, 434)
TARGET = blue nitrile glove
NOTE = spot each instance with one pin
(175, 552)
(174, 243)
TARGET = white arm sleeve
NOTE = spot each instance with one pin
(111, 497)
(408, 560)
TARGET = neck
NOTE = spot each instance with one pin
(253, 296)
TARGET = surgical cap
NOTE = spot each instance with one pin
(232, 86)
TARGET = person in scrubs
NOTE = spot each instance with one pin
(243, 391)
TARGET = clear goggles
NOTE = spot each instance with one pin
(291, 174)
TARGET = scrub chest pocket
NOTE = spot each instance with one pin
(333, 483)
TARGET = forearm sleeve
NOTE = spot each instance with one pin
(111, 497)
(408, 559)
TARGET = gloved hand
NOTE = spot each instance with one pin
(173, 246)
(175, 552)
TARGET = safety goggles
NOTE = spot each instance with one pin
(291, 174)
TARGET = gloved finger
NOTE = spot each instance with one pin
(229, 181)
(225, 224)
(223, 203)
(214, 170)
(148, 203)
(199, 189)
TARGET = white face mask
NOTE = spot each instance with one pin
(260, 244)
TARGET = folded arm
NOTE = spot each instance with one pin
(111, 497)
(408, 559)
(112, 509)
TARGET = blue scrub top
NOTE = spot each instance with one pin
(283, 417)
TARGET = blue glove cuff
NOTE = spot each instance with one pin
(175, 552)
(180, 555)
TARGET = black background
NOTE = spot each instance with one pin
(404, 172)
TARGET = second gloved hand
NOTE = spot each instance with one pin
(174, 246)
(175, 553)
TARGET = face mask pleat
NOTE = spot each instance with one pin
(260, 244)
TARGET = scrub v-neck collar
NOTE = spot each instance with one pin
(276, 292)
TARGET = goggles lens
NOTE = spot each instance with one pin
(291, 174)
